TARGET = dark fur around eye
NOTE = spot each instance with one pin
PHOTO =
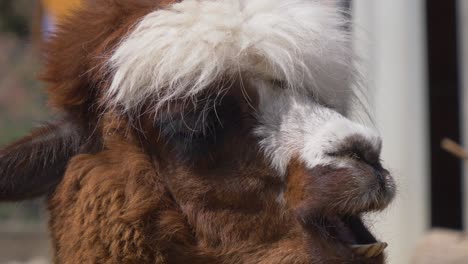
(192, 128)
(200, 127)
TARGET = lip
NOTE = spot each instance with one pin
(352, 232)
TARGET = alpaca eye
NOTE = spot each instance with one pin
(354, 156)
(190, 135)
(193, 128)
(204, 127)
(279, 83)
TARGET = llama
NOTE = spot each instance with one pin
(203, 131)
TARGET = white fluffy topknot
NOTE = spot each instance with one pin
(179, 51)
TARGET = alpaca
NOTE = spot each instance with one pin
(203, 131)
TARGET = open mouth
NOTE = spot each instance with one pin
(351, 231)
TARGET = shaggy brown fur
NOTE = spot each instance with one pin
(76, 55)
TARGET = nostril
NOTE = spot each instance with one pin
(382, 175)
(358, 148)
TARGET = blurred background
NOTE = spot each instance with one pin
(415, 57)
(24, 24)
(22, 227)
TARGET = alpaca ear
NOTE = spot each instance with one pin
(34, 165)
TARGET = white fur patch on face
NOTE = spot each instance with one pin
(179, 51)
(297, 126)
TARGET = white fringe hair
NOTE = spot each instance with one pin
(179, 51)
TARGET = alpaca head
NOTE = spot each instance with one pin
(241, 106)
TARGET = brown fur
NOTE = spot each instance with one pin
(76, 55)
(112, 207)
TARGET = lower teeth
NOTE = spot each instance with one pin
(369, 250)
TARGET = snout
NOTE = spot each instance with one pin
(343, 158)
(331, 168)
(340, 158)
(336, 158)
(362, 155)
(333, 184)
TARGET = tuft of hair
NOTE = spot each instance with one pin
(179, 51)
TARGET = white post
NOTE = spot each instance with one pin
(395, 48)
(463, 44)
